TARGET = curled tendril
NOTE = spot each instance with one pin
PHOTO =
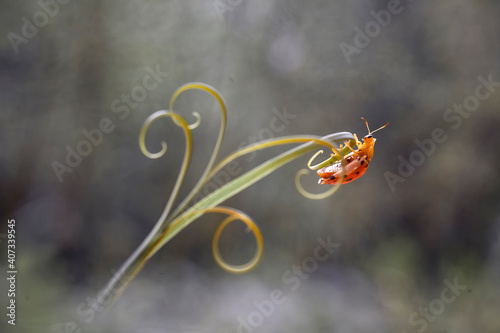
(339, 155)
(333, 158)
(218, 96)
(234, 215)
(197, 122)
(237, 215)
(193, 125)
(178, 120)
(317, 166)
(315, 196)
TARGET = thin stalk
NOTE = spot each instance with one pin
(155, 241)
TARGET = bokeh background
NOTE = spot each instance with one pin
(397, 245)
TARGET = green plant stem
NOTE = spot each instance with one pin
(154, 242)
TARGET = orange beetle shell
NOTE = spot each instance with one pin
(356, 162)
(356, 165)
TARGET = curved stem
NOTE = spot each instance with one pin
(185, 163)
(156, 240)
(136, 261)
(337, 137)
(215, 93)
(247, 179)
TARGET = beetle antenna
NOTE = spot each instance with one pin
(366, 125)
(378, 129)
(371, 132)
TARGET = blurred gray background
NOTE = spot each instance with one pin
(65, 67)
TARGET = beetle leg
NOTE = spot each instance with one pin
(358, 143)
(349, 146)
